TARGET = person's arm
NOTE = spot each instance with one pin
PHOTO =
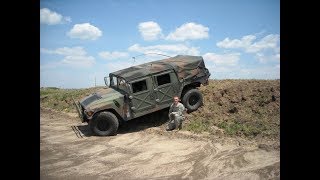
(170, 110)
(181, 109)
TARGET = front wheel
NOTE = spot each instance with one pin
(192, 100)
(104, 124)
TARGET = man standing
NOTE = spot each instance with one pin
(175, 114)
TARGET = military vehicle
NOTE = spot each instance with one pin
(144, 89)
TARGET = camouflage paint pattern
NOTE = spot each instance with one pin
(187, 69)
(185, 66)
(105, 99)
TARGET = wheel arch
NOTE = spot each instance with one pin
(120, 119)
(187, 87)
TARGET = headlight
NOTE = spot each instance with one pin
(89, 113)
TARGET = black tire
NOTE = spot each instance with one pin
(192, 100)
(104, 124)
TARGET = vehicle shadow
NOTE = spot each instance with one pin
(82, 130)
(155, 119)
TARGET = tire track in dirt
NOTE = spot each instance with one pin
(147, 154)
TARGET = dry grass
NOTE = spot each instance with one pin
(61, 99)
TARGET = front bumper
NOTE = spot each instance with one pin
(79, 110)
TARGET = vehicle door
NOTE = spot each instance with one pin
(142, 96)
(166, 86)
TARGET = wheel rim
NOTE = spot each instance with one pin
(193, 100)
(102, 125)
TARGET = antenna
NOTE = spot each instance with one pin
(134, 59)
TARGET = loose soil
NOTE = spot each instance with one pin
(68, 150)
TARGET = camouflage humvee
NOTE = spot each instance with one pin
(144, 89)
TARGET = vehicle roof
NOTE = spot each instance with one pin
(178, 63)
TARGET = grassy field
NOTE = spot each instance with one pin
(61, 99)
(247, 108)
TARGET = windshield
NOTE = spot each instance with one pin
(113, 81)
(119, 83)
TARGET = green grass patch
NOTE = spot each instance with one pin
(249, 129)
(61, 99)
(198, 126)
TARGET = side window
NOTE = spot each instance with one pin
(163, 79)
(122, 84)
(139, 86)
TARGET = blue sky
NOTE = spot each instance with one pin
(83, 41)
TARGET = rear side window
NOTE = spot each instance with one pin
(139, 86)
(163, 79)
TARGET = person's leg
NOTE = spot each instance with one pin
(179, 120)
(171, 123)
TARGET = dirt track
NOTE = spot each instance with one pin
(69, 151)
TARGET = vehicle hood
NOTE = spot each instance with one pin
(100, 98)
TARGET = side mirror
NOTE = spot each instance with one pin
(106, 81)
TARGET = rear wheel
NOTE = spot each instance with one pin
(192, 99)
(104, 124)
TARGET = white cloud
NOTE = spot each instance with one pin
(150, 30)
(113, 55)
(240, 72)
(223, 59)
(266, 49)
(74, 57)
(167, 49)
(85, 31)
(264, 72)
(189, 31)
(270, 41)
(67, 19)
(79, 61)
(220, 69)
(245, 42)
(52, 18)
(263, 58)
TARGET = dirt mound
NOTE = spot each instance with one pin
(249, 108)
